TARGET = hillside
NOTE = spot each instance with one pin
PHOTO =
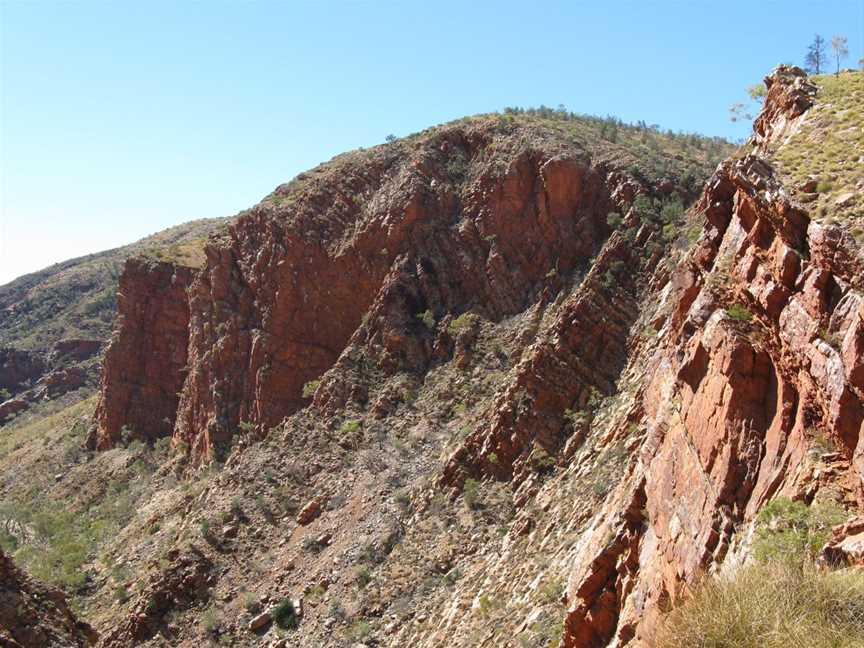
(77, 298)
(520, 380)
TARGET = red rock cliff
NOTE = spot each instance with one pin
(759, 358)
(363, 252)
(145, 363)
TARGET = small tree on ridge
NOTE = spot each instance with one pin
(840, 45)
(814, 60)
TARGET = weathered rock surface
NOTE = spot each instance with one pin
(33, 615)
(846, 547)
(20, 369)
(75, 349)
(145, 364)
(735, 396)
(11, 407)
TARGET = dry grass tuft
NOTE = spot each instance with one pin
(774, 605)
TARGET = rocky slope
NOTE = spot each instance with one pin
(489, 385)
(33, 615)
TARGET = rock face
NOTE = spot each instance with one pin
(278, 302)
(76, 349)
(32, 376)
(364, 251)
(19, 369)
(846, 546)
(759, 357)
(34, 616)
(146, 359)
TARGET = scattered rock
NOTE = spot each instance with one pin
(808, 186)
(260, 621)
(846, 547)
(309, 512)
(845, 199)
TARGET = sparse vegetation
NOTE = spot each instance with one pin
(792, 531)
(774, 605)
(739, 313)
(310, 388)
(462, 323)
(360, 630)
(470, 492)
(781, 601)
(825, 149)
(428, 319)
(349, 428)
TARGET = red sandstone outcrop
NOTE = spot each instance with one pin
(391, 236)
(33, 615)
(735, 396)
(278, 302)
(61, 381)
(846, 546)
(145, 363)
(11, 407)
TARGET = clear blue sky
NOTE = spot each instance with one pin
(122, 118)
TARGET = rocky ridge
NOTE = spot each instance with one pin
(487, 386)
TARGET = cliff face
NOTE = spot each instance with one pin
(756, 370)
(33, 615)
(276, 307)
(491, 308)
(469, 219)
(145, 364)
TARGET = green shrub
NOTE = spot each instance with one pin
(349, 428)
(210, 619)
(251, 602)
(284, 615)
(462, 323)
(310, 388)
(312, 545)
(613, 219)
(539, 459)
(121, 594)
(600, 488)
(360, 630)
(161, 448)
(792, 531)
(470, 493)
(672, 211)
(739, 313)
(428, 319)
(364, 576)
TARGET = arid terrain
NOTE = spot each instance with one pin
(528, 379)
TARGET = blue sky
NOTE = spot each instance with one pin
(118, 119)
